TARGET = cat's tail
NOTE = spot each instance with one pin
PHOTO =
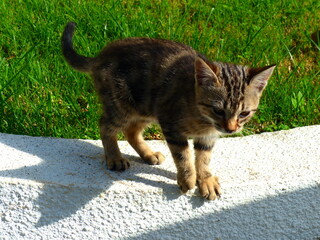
(77, 61)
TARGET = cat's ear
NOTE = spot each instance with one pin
(205, 75)
(260, 77)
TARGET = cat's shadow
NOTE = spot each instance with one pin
(73, 174)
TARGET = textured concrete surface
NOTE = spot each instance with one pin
(58, 189)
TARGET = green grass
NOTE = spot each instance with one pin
(41, 95)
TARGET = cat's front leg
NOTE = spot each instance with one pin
(179, 147)
(186, 174)
(208, 185)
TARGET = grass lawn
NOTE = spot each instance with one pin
(41, 95)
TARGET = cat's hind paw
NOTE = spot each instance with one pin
(119, 164)
(154, 158)
(209, 188)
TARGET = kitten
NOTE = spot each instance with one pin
(140, 80)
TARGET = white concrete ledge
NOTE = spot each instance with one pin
(58, 189)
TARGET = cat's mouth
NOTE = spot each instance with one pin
(227, 131)
(225, 128)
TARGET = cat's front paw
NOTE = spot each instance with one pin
(186, 181)
(209, 188)
(118, 164)
(154, 158)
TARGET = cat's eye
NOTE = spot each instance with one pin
(244, 114)
(218, 112)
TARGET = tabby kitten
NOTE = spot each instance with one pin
(140, 80)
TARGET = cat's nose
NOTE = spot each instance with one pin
(231, 126)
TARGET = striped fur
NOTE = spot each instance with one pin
(140, 80)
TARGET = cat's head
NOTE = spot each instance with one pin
(228, 95)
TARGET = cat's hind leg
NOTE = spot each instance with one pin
(133, 133)
(108, 132)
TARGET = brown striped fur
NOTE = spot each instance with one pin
(140, 80)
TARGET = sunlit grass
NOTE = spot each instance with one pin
(41, 95)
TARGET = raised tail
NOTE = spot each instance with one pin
(77, 61)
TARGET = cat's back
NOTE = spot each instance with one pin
(144, 59)
(143, 69)
(144, 49)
